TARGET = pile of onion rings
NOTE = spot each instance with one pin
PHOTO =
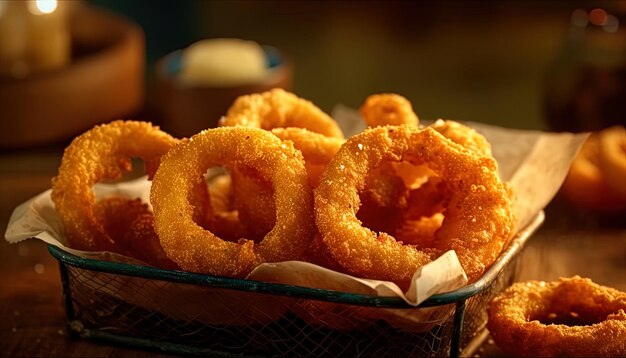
(378, 205)
(570, 317)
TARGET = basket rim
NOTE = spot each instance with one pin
(514, 247)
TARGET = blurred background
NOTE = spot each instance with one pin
(467, 60)
(518, 64)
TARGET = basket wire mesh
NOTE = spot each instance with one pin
(188, 313)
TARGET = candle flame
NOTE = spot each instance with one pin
(45, 6)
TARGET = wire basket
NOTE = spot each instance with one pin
(186, 313)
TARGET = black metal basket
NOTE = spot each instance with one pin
(186, 313)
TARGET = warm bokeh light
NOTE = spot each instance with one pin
(579, 18)
(612, 24)
(598, 17)
(42, 7)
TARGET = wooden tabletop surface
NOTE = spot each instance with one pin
(32, 317)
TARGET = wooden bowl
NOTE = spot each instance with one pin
(187, 110)
(104, 81)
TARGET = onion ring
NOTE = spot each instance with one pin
(253, 195)
(586, 183)
(144, 243)
(570, 317)
(272, 110)
(463, 135)
(383, 200)
(387, 109)
(225, 221)
(116, 214)
(420, 232)
(253, 198)
(613, 158)
(279, 109)
(430, 194)
(220, 193)
(317, 149)
(198, 250)
(104, 152)
(477, 222)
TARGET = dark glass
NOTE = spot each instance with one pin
(585, 88)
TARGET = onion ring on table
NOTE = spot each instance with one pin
(104, 152)
(586, 185)
(613, 158)
(278, 108)
(387, 109)
(477, 221)
(570, 317)
(198, 250)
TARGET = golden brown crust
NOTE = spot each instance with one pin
(279, 109)
(388, 109)
(568, 317)
(104, 152)
(199, 250)
(478, 219)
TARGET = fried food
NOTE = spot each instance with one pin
(463, 135)
(131, 225)
(387, 109)
(116, 214)
(586, 184)
(477, 222)
(290, 118)
(317, 149)
(220, 193)
(383, 199)
(253, 198)
(144, 244)
(279, 109)
(569, 317)
(196, 249)
(253, 195)
(225, 222)
(103, 152)
(430, 198)
(420, 232)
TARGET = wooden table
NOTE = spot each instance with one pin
(32, 318)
